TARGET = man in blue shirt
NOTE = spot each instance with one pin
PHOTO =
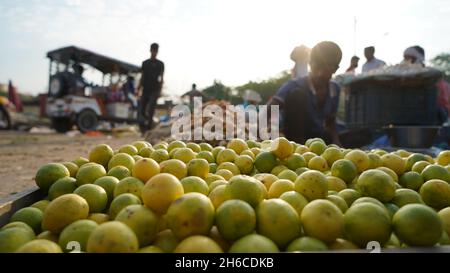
(308, 105)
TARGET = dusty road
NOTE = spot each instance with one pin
(21, 154)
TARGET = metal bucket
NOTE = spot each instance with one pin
(412, 136)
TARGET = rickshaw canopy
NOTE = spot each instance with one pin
(106, 65)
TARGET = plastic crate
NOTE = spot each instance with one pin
(374, 105)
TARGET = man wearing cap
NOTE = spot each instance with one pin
(372, 62)
(151, 84)
(308, 105)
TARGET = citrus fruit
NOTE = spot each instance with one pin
(80, 161)
(312, 185)
(344, 169)
(331, 155)
(288, 174)
(184, 154)
(295, 199)
(317, 147)
(366, 222)
(295, 161)
(235, 219)
(146, 152)
(417, 225)
(42, 205)
(338, 201)
(444, 214)
(413, 159)
(11, 239)
(281, 148)
(419, 166)
(265, 162)
(72, 167)
(411, 180)
(191, 214)
(101, 154)
(435, 172)
(335, 183)
(237, 145)
(359, 158)
(108, 183)
(245, 188)
(89, 173)
(40, 246)
(99, 218)
(121, 159)
(129, 185)
(112, 237)
(206, 155)
(128, 149)
(160, 191)
(198, 167)
(160, 155)
(244, 163)
(278, 221)
(198, 244)
(142, 221)
(323, 220)
(30, 216)
(318, 163)
(175, 167)
(145, 169)
(376, 184)
(63, 211)
(306, 244)
(62, 186)
(119, 172)
(79, 231)
(406, 196)
(226, 155)
(443, 158)
(436, 193)
(394, 162)
(49, 174)
(122, 201)
(194, 184)
(218, 195)
(95, 196)
(279, 187)
(254, 243)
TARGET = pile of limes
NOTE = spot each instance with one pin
(247, 196)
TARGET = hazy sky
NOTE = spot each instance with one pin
(201, 40)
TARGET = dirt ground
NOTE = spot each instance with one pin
(21, 154)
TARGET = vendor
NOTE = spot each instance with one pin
(308, 104)
(416, 55)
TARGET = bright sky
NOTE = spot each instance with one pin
(201, 40)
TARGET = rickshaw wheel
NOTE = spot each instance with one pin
(62, 125)
(5, 122)
(87, 121)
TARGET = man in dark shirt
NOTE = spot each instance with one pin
(308, 105)
(151, 84)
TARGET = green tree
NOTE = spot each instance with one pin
(442, 62)
(266, 88)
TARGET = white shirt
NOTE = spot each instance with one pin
(301, 69)
(372, 64)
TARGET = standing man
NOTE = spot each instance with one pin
(309, 104)
(372, 62)
(151, 82)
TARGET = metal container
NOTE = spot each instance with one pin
(412, 136)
